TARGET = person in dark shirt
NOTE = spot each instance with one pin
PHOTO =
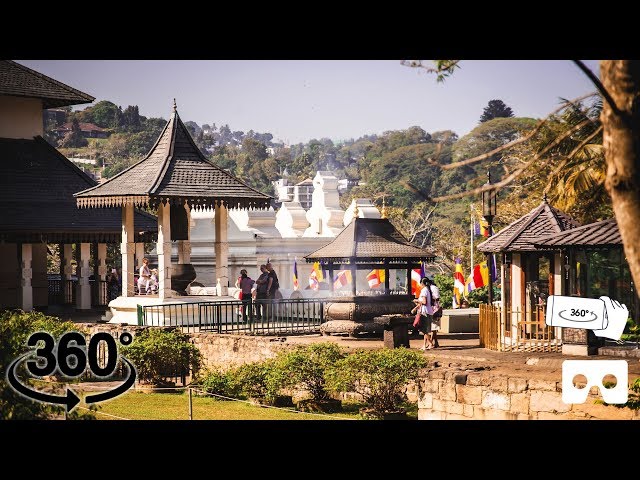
(261, 291)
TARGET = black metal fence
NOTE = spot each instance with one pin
(264, 317)
(63, 292)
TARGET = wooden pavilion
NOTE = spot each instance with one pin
(36, 191)
(173, 178)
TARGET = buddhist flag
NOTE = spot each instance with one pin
(318, 270)
(416, 287)
(375, 278)
(484, 227)
(476, 228)
(470, 286)
(481, 275)
(313, 280)
(342, 278)
(296, 286)
(458, 284)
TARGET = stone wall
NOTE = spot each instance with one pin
(450, 391)
(218, 350)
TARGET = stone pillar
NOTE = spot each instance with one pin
(67, 252)
(102, 273)
(26, 273)
(127, 249)
(139, 255)
(83, 291)
(221, 247)
(184, 246)
(163, 248)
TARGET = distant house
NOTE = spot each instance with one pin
(89, 130)
(54, 114)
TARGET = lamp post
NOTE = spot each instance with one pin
(488, 212)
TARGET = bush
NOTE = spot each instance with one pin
(15, 328)
(259, 380)
(306, 367)
(158, 353)
(380, 376)
(221, 383)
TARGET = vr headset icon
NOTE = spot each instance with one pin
(595, 371)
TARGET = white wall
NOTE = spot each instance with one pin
(20, 117)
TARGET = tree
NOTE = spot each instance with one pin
(74, 138)
(495, 109)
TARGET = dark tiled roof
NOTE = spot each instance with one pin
(19, 81)
(522, 235)
(85, 127)
(36, 196)
(370, 239)
(175, 170)
(599, 234)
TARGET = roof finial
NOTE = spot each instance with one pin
(175, 106)
(384, 209)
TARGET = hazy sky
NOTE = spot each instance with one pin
(300, 100)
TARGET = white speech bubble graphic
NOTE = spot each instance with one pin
(576, 312)
(595, 371)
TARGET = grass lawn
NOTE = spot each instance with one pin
(174, 406)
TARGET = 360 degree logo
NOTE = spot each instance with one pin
(70, 357)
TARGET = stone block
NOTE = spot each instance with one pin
(467, 411)
(495, 400)
(491, 414)
(468, 395)
(448, 391)
(429, 385)
(519, 403)
(555, 416)
(453, 407)
(437, 373)
(478, 379)
(547, 402)
(499, 384)
(516, 385)
(522, 416)
(426, 414)
(438, 405)
(538, 384)
(603, 412)
(425, 401)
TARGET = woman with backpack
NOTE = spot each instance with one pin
(428, 302)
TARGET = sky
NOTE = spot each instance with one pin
(300, 100)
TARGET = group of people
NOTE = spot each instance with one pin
(147, 278)
(428, 304)
(262, 291)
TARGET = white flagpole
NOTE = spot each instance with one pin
(472, 232)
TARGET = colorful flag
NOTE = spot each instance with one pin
(484, 228)
(313, 280)
(476, 228)
(458, 284)
(481, 275)
(318, 270)
(296, 286)
(375, 278)
(416, 287)
(470, 285)
(343, 277)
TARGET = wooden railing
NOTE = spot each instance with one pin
(512, 332)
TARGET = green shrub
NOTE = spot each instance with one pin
(158, 353)
(15, 328)
(306, 367)
(260, 380)
(221, 383)
(380, 376)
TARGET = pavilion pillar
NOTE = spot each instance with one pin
(386, 277)
(221, 247)
(184, 246)
(139, 249)
(354, 271)
(102, 274)
(26, 274)
(83, 289)
(163, 247)
(127, 249)
(67, 254)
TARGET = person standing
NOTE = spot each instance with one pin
(425, 303)
(115, 287)
(273, 285)
(145, 277)
(261, 291)
(246, 282)
(436, 311)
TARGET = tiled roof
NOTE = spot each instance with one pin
(522, 235)
(36, 196)
(371, 239)
(19, 81)
(85, 127)
(604, 233)
(174, 170)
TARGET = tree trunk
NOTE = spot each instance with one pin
(621, 141)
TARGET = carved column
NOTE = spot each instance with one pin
(127, 249)
(221, 246)
(163, 247)
(83, 290)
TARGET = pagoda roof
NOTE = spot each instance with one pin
(599, 234)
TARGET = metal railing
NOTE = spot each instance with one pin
(63, 292)
(512, 331)
(263, 317)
